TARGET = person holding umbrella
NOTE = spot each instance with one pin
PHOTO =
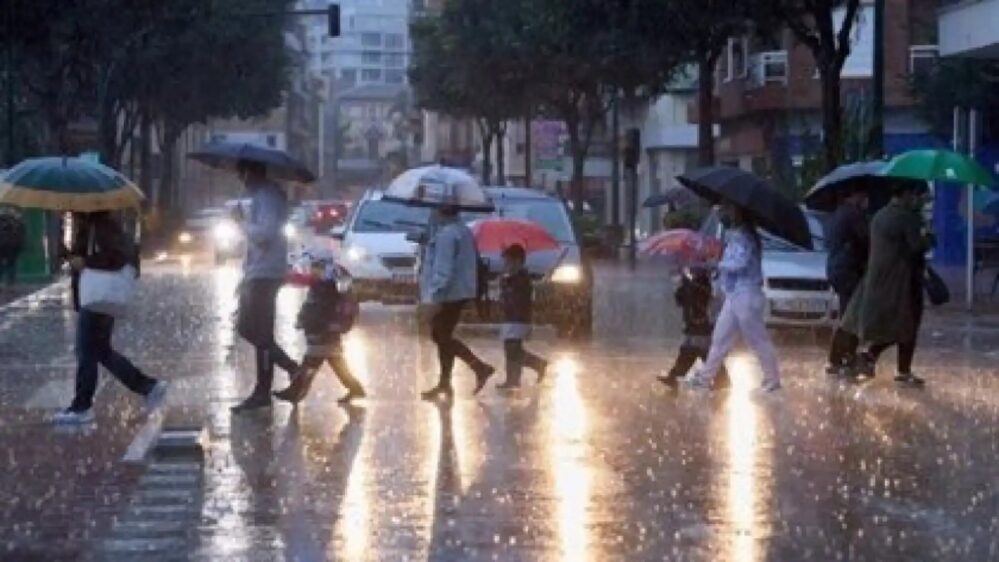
(747, 203)
(264, 270)
(848, 243)
(449, 275)
(887, 308)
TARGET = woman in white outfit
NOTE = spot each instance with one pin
(741, 275)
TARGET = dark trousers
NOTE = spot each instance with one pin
(442, 326)
(312, 363)
(689, 354)
(257, 311)
(517, 358)
(8, 268)
(93, 347)
(843, 349)
(906, 351)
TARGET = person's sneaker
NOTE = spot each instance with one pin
(351, 396)
(291, 394)
(542, 372)
(156, 396)
(839, 371)
(671, 382)
(694, 382)
(432, 394)
(254, 402)
(909, 379)
(73, 417)
(865, 367)
(770, 385)
(482, 374)
(508, 385)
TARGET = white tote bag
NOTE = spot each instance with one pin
(107, 292)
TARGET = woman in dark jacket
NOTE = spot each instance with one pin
(99, 243)
(849, 244)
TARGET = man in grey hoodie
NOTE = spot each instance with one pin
(264, 270)
(448, 281)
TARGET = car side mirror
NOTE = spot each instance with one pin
(338, 232)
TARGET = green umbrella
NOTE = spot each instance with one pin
(939, 165)
(67, 184)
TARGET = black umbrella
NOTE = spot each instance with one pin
(225, 155)
(675, 196)
(844, 179)
(771, 210)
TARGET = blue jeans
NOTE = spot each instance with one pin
(93, 347)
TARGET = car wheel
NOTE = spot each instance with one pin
(578, 325)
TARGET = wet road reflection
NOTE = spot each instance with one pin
(598, 463)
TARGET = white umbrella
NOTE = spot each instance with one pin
(439, 186)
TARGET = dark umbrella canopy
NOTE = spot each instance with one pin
(772, 211)
(675, 196)
(226, 155)
(860, 175)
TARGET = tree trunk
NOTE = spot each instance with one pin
(500, 155)
(578, 150)
(706, 111)
(832, 119)
(146, 161)
(487, 157)
(528, 150)
(170, 200)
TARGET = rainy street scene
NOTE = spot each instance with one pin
(530, 280)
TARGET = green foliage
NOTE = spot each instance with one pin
(950, 83)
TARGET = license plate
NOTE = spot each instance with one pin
(813, 306)
(404, 278)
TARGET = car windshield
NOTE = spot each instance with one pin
(548, 213)
(389, 216)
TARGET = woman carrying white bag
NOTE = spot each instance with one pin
(105, 266)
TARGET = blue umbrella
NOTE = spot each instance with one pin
(226, 155)
(868, 175)
(675, 196)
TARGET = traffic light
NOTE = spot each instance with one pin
(334, 19)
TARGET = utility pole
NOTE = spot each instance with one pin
(615, 164)
(632, 152)
(10, 157)
(528, 148)
(876, 146)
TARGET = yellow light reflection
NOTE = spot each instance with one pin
(743, 490)
(573, 479)
(355, 351)
(185, 265)
(469, 455)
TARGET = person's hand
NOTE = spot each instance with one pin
(77, 263)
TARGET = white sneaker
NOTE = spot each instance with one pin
(157, 395)
(73, 417)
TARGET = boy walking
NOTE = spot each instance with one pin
(516, 298)
(694, 298)
(324, 317)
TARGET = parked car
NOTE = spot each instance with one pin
(797, 290)
(375, 250)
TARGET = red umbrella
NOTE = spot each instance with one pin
(682, 246)
(497, 234)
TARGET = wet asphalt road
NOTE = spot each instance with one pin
(599, 463)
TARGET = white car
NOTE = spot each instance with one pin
(797, 289)
(376, 252)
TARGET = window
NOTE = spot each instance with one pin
(395, 41)
(371, 39)
(371, 74)
(395, 60)
(371, 57)
(349, 75)
(395, 76)
(272, 141)
(860, 63)
(922, 58)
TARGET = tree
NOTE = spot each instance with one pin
(950, 83)
(812, 23)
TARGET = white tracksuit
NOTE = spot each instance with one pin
(742, 313)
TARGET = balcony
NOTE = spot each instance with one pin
(968, 28)
(769, 67)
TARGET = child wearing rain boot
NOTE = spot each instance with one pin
(324, 317)
(516, 296)
(693, 296)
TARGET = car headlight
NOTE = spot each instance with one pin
(357, 254)
(567, 274)
(185, 237)
(225, 232)
(290, 232)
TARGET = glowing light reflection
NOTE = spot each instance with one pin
(573, 478)
(355, 520)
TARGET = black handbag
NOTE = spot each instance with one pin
(936, 289)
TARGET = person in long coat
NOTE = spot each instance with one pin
(887, 308)
(849, 241)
